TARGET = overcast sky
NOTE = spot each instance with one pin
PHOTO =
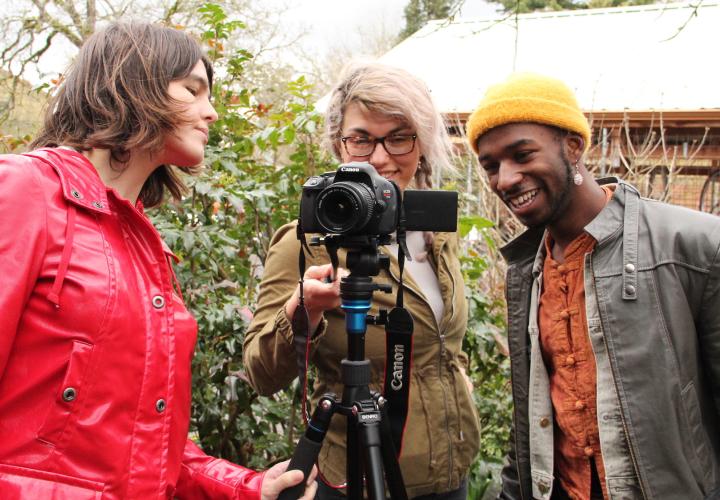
(326, 23)
(329, 22)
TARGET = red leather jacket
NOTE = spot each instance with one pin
(95, 346)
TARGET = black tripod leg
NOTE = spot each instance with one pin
(354, 466)
(371, 442)
(396, 485)
(308, 447)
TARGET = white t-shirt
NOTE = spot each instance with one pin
(422, 272)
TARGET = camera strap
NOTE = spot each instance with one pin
(300, 324)
(398, 356)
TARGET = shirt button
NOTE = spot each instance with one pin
(158, 302)
(564, 315)
(160, 405)
(589, 451)
(562, 269)
(579, 405)
(544, 422)
(570, 360)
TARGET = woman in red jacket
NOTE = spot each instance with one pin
(95, 342)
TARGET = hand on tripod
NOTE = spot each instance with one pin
(320, 294)
(278, 478)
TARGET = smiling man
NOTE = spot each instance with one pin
(613, 314)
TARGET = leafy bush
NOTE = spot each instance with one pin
(486, 346)
(256, 161)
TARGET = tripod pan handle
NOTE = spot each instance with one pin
(303, 459)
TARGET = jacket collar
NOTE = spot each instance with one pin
(607, 223)
(610, 220)
(80, 182)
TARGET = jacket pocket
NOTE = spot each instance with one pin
(624, 488)
(698, 439)
(420, 459)
(68, 395)
(22, 482)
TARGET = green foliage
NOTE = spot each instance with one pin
(486, 346)
(419, 12)
(524, 6)
(256, 161)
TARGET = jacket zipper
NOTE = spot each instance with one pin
(440, 359)
(442, 355)
(617, 392)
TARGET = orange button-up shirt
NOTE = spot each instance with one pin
(570, 361)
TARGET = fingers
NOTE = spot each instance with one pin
(319, 272)
(310, 485)
(272, 485)
(276, 481)
(313, 474)
(310, 491)
(320, 294)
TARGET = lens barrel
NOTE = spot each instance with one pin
(345, 207)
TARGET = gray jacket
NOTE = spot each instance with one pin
(653, 280)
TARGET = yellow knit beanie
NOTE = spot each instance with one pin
(528, 97)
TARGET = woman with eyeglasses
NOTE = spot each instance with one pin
(384, 116)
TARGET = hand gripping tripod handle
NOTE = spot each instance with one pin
(303, 459)
(308, 447)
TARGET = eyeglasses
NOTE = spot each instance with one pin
(393, 144)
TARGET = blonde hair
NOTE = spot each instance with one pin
(395, 93)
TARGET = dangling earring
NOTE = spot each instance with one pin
(577, 178)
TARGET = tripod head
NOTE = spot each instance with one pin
(363, 261)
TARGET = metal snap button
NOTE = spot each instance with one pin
(544, 422)
(629, 268)
(630, 290)
(69, 394)
(97, 204)
(160, 405)
(158, 302)
(76, 194)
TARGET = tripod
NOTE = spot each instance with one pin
(369, 445)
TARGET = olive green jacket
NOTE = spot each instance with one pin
(442, 432)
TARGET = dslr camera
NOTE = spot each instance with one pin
(357, 201)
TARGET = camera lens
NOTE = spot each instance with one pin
(345, 207)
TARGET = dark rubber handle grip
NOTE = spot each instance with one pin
(303, 459)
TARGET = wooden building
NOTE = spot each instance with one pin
(646, 76)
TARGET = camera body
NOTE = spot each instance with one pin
(357, 201)
(354, 200)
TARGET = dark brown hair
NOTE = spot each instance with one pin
(115, 96)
